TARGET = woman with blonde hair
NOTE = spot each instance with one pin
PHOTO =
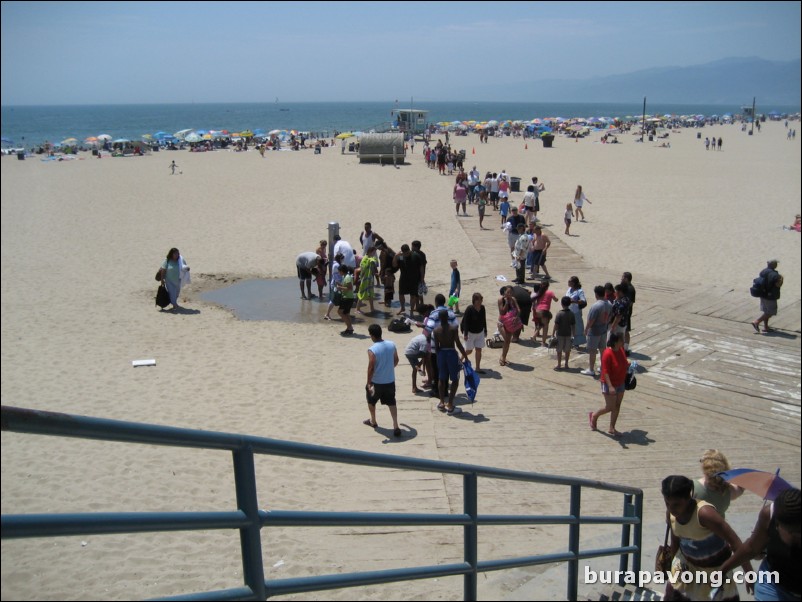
(712, 488)
(579, 201)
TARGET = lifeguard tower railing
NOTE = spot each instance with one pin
(250, 520)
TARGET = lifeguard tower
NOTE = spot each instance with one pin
(410, 121)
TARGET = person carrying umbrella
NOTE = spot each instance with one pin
(777, 532)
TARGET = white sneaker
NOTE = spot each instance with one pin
(588, 372)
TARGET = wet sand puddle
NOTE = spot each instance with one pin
(279, 300)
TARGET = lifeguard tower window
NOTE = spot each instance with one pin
(411, 120)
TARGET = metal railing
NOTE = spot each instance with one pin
(249, 520)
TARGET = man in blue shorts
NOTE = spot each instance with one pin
(382, 360)
(446, 337)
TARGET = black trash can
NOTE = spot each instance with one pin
(698, 135)
(21, 156)
(651, 138)
(515, 184)
(94, 152)
(547, 140)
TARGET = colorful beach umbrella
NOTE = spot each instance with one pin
(193, 137)
(181, 134)
(767, 485)
(344, 135)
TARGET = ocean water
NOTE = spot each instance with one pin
(32, 125)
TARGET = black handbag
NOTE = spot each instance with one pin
(162, 297)
(158, 275)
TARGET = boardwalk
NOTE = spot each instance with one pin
(707, 380)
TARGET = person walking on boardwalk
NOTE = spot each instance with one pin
(380, 387)
(772, 281)
(596, 329)
(706, 541)
(614, 366)
(777, 533)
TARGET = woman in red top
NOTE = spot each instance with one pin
(614, 367)
(542, 300)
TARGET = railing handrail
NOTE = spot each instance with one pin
(249, 519)
(40, 422)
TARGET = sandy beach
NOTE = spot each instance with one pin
(81, 241)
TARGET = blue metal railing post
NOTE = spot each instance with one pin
(471, 534)
(573, 542)
(638, 533)
(250, 536)
(623, 561)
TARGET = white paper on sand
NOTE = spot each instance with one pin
(501, 278)
(137, 363)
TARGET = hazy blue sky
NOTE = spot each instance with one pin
(143, 52)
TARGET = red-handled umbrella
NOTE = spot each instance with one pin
(767, 485)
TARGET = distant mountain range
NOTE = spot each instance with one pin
(727, 81)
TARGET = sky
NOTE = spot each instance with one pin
(176, 52)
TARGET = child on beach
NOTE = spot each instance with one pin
(504, 209)
(389, 286)
(569, 214)
(579, 200)
(456, 288)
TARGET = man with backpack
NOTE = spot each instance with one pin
(767, 287)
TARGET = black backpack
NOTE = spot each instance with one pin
(399, 325)
(758, 288)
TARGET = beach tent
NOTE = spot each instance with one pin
(381, 147)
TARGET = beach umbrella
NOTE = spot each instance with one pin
(344, 135)
(274, 132)
(193, 137)
(246, 134)
(258, 132)
(159, 135)
(104, 137)
(181, 134)
(69, 141)
(91, 140)
(767, 485)
(121, 141)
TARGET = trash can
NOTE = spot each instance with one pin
(651, 138)
(94, 152)
(547, 140)
(515, 184)
(21, 156)
(698, 135)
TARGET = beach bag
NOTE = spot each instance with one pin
(630, 382)
(471, 380)
(158, 275)
(758, 288)
(511, 321)
(399, 325)
(496, 342)
(662, 560)
(162, 297)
